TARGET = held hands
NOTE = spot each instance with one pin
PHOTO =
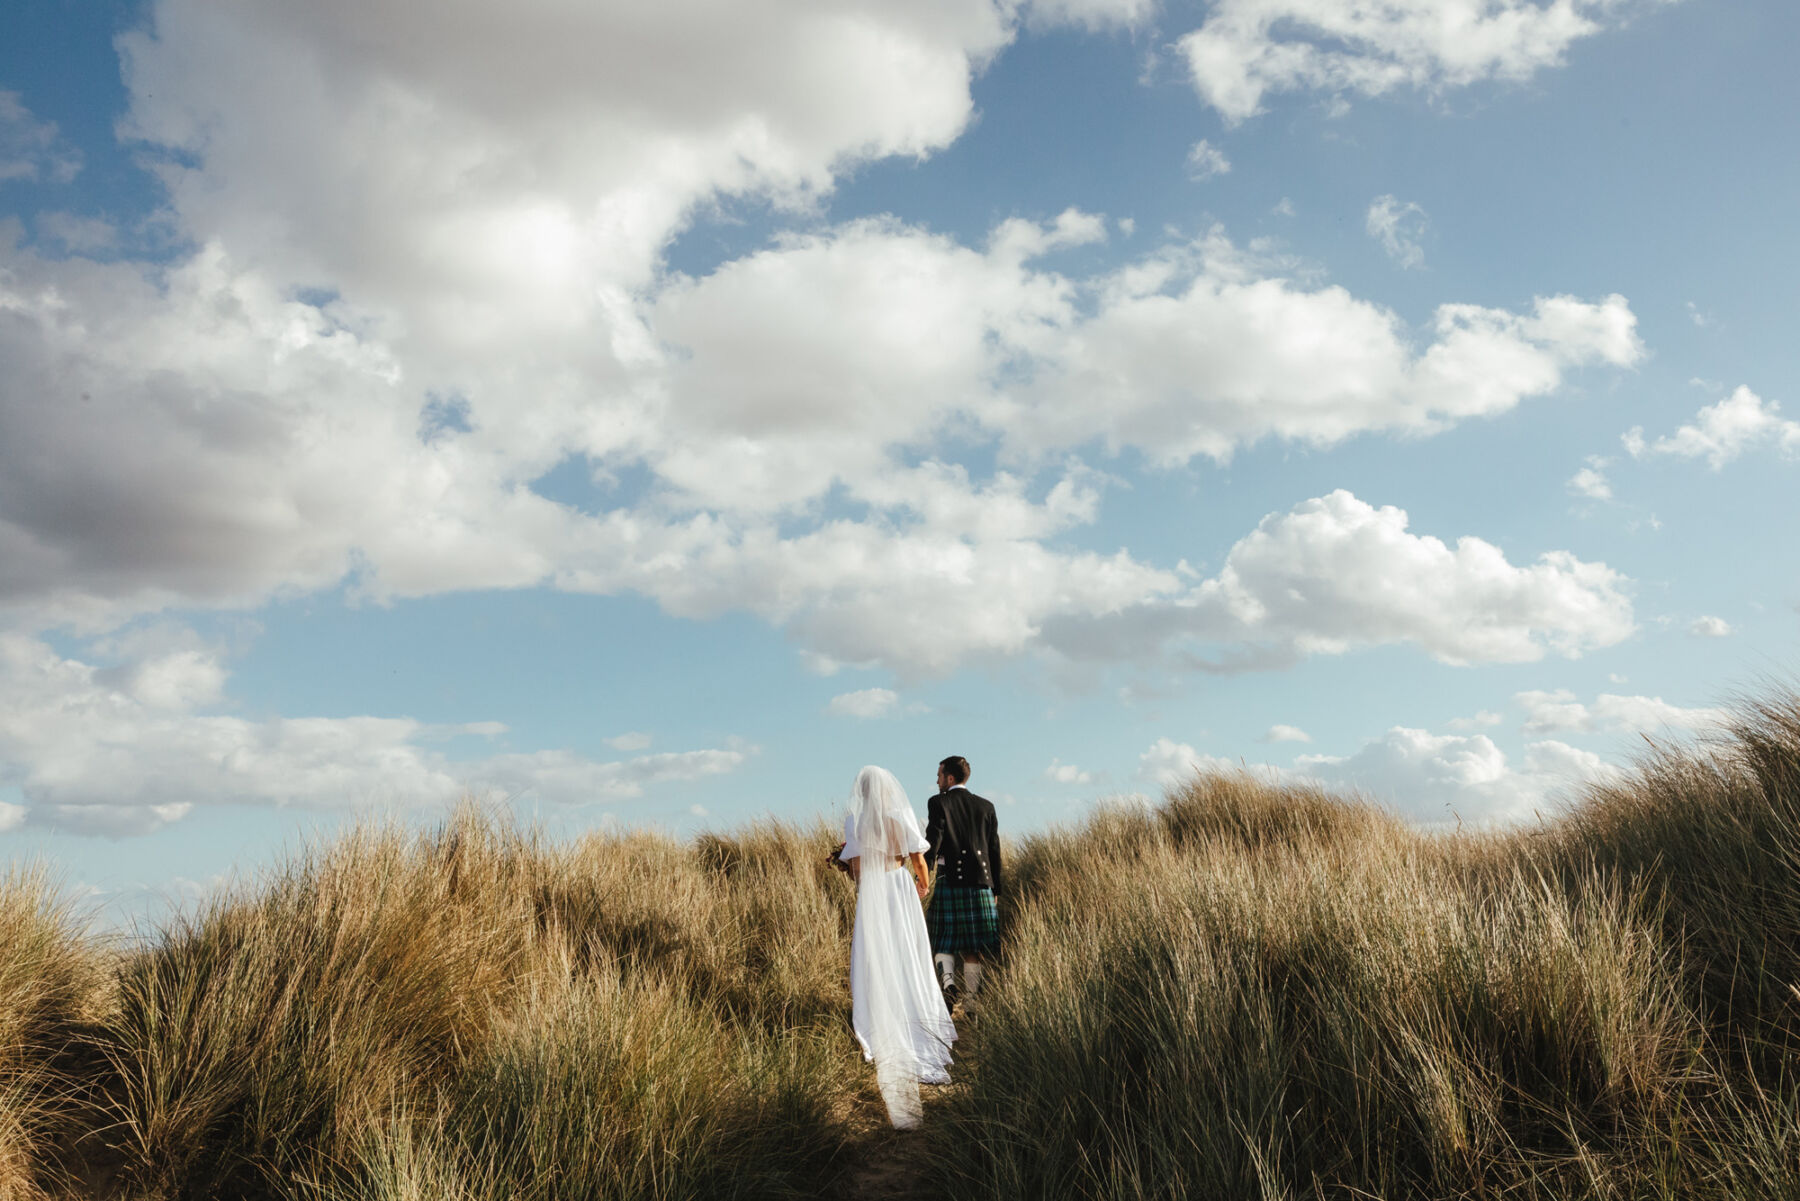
(915, 863)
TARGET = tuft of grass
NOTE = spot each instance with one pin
(1255, 990)
(1714, 832)
(471, 1013)
(1250, 990)
(754, 922)
(50, 983)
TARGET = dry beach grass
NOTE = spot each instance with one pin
(1247, 991)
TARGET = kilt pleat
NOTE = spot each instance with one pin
(963, 921)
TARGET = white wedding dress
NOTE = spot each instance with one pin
(896, 1008)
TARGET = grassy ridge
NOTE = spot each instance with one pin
(474, 1015)
(1263, 992)
(1247, 991)
(49, 982)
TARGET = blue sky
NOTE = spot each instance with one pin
(652, 415)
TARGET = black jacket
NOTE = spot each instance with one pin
(964, 839)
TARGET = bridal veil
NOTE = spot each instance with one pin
(898, 1012)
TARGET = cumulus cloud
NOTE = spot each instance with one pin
(1200, 350)
(807, 363)
(798, 364)
(1720, 432)
(1710, 627)
(31, 149)
(1336, 573)
(1433, 779)
(530, 150)
(1559, 710)
(1067, 773)
(864, 703)
(1483, 718)
(1168, 763)
(427, 271)
(126, 749)
(564, 777)
(1590, 482)
(307, 462)
(1286, 734)
(1206, 160)
(1399, 227)
(1248, 49)
(1440, 779)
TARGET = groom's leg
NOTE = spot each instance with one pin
(971, 975)
(946, 969)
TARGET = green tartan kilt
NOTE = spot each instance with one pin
(963, 921)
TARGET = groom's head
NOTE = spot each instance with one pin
(954, 770)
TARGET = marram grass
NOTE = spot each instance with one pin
(50, 982)
(1263, 992)
(1247, 991)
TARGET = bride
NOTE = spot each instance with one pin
(896, 1007)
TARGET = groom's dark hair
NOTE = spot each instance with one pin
(957, 767)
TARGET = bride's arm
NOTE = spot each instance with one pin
(915, 862)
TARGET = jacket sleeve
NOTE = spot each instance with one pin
(934, 830)
(993, 841)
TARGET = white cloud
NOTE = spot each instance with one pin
(1482, 719)
(11, 816)
(567, 778)
(1721, 432)
(1336, 573)
(308, 462)
(1591, 482)
(1710, 627)
(1067, 773)
(1425, 776)
(1201, 350)
(807, 363)
(127, 749)
(393, 222)
(529, 151)
(1558, 710)
(1547, 712)
(1441, 779)
(1247, 49)
(1286, 734)
(1399, 227)
(632, 740)
(1435, 779)
(1206, 160)
(1168, 763)
(31, 149)
(1561, 766)
(864, 703)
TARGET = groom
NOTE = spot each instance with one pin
(964, 849)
